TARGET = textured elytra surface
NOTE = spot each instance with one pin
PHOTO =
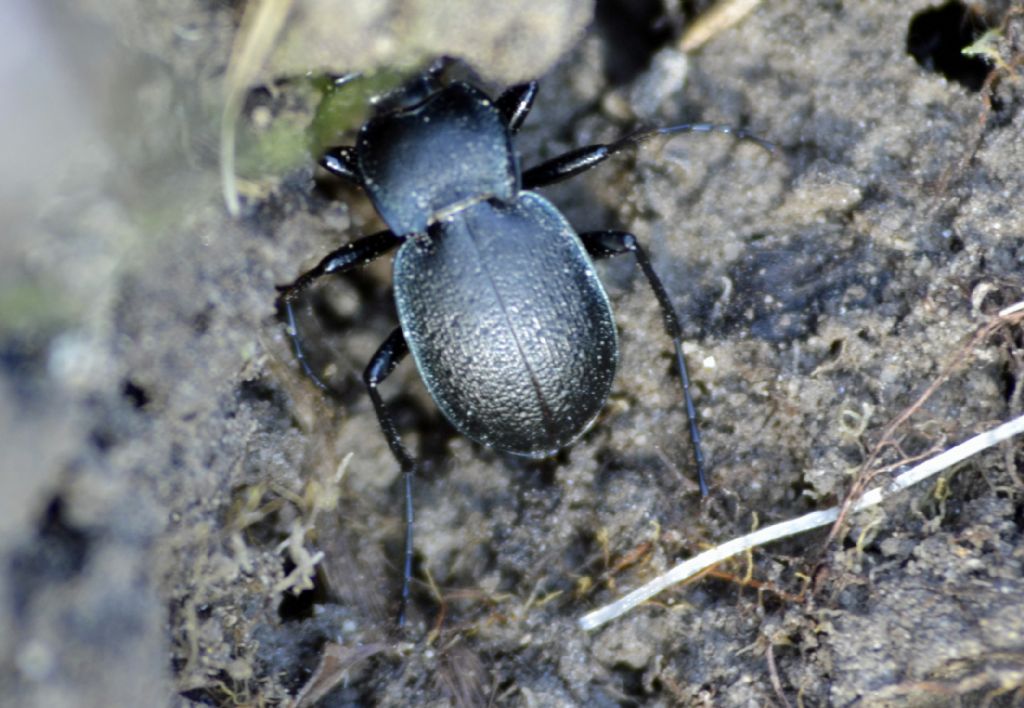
(508, 324)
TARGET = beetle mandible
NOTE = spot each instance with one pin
(497, 296)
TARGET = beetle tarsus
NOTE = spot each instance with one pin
(293, 332)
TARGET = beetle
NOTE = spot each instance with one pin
(497, 296)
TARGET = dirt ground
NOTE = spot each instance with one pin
(186, 520)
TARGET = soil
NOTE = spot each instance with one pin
(185, 519)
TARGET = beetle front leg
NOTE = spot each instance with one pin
(358, 253)
(515, 104)
(381, 365)
(341, 161)
(602, 244)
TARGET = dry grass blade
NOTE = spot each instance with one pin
(816, 519)
(261, 24)
(723, 15)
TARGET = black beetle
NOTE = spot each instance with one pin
(498, 300)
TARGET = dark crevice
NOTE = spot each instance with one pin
(134, 393)
(1007, 379)
(212, 695)
(254, 391)
(633, 31)
(201, 321)
(57, 554)
(937, 36)
(299, 607)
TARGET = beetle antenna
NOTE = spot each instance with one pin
(582, 159)
(643, 136)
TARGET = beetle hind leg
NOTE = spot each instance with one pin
(384, 361)
(602, 244)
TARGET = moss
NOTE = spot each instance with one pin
(29, 307)
(346, 105)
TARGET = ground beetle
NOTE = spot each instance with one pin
(497, 297)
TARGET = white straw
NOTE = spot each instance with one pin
(691, 567)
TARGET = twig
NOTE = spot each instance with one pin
(262, 22)
(684, 570)
(773, 671)
(719, 17)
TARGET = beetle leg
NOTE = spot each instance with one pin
(359, 252)
(341, 161)
(601, 244)
(582, 159)
(381, 365)
(515, 104)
